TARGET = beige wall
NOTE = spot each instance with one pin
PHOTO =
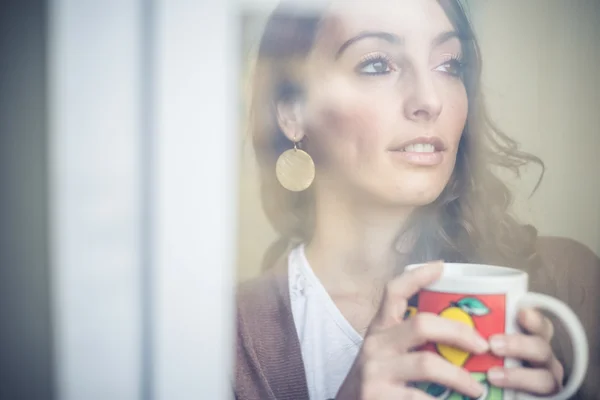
(541, 62)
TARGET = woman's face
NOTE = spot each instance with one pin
(384, 105)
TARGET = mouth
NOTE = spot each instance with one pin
(425, 144)
(423, 151)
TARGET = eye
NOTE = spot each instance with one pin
(375, 64)
(453, 67)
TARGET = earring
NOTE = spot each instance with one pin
(295, 169)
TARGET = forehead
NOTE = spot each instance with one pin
(410, 19)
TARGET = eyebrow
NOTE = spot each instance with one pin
(394, 39)
(388, 37)
(444, 37)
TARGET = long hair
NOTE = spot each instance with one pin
(470, 221)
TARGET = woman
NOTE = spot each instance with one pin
(384, 98)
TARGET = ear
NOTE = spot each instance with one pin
(289, 118)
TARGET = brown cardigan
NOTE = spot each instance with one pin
(269, 361)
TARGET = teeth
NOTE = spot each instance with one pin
(420, 148)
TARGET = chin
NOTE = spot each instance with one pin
(414, 195)
(407, 190)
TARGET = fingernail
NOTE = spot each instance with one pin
(437, 264)
(498, 345)
(527, 314)
(534, 317)
(482, 344)
(496, 375)
(479, 388)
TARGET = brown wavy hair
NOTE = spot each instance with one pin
(469, 222)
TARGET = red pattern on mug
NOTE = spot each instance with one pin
(485, 313)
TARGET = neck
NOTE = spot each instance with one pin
(354, 245)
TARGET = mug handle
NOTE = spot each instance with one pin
(578, 341)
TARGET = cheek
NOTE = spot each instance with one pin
(340, 121)
(455, 116)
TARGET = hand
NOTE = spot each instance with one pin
(542, 373)
(386, 363)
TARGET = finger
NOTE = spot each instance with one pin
(426, 366)
(400, 289)
(533, 349)
(535, 381)
(535, 323)
(558, 371)
(421, 329)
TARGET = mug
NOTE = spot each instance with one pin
(487, 298)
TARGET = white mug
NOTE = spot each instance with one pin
(488, 298)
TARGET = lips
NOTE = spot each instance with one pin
(425, 151)
(423, 144)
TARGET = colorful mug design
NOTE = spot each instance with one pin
(462, 311)
(489, 297)
(485, 313)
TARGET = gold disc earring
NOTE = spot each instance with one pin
(295, 169)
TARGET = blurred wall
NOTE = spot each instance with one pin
(540, 77)
(541, 61)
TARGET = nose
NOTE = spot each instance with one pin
(422, 101)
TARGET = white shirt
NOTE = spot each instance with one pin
(328, 342)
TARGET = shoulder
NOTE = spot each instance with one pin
(267, 295)
(569, 267)
(555, 249)
(570, 262)
(262, 292)
(268, 356)
(256, 302)
(263, 307)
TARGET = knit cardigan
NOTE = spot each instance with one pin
(269, 362)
